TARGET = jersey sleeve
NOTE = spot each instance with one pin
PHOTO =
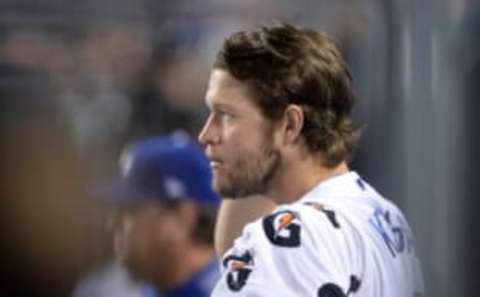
(299, 250)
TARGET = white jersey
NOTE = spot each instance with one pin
(340, 239)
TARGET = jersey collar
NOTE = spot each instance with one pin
(342, 185)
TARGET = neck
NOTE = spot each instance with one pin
(295, 179)
(192, 260)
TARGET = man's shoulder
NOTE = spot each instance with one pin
(278, 250)
(306, 226)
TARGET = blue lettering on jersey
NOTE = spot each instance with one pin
(361, 184)
(395, 237)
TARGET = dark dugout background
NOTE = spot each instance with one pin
(79, 80)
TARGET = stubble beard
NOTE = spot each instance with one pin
(251, 175)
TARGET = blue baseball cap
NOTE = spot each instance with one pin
(168, 168)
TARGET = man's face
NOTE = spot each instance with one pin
(238, 139)
(146, 240)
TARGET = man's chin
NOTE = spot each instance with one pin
(225, 192)
(235, 193)
(221, 188)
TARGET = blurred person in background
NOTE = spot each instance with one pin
(108, 62)
(48, 232)
(162, 225)
(169, 93)
(159, 105)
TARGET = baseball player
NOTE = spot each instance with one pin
(165, 216)
(280, 99)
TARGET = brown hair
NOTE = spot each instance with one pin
(283, 64)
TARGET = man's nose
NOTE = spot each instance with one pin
(207, 134)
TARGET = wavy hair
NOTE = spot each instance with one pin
(283, 64)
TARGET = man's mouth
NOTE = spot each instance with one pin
(215, 164)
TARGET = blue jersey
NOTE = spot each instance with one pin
(199, 285)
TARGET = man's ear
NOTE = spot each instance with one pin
(293, 120)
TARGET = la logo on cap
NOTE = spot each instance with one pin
(174, 188)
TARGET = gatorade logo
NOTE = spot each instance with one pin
(282, 229)
(239, 269)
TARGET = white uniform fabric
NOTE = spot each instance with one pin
(340, 239)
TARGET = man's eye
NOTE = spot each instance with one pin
(225, 116)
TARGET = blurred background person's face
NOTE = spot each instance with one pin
(149, 239)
